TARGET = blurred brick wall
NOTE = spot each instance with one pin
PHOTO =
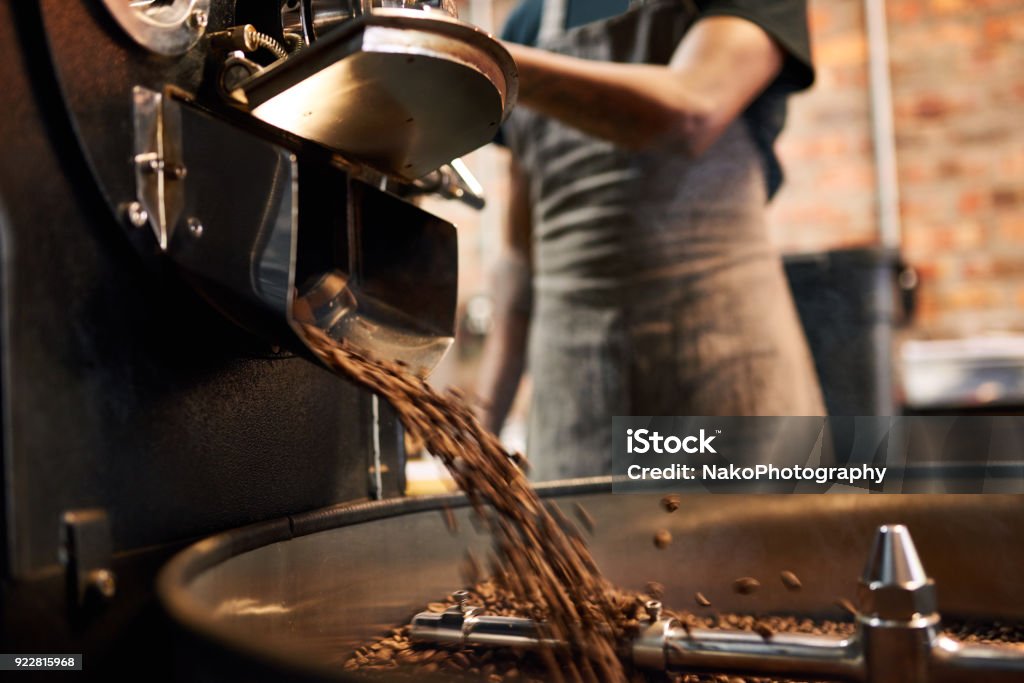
(958, 80)
(827, 200)
(958, 90)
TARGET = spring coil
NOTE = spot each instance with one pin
(268, 43)
(293, 42)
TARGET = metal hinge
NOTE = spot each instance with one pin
(159, 171)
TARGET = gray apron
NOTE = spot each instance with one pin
(656, 288)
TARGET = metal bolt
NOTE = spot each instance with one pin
(137, 215)
(178, 171)
(195, 227)
(198, 19)
(250, 38)
(653, 608)
(462, 597)
(102, 583)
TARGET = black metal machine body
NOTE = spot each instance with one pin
(154, 236)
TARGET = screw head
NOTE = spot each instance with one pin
(653, 608)
(136, 215)
(195, 227)
(198, 19)
(102, 583)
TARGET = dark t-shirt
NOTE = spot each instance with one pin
(784, 20)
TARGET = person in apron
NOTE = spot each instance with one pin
(654, 287)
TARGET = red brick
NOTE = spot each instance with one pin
(904, 11)
(851, 48)
(972, 202)
(1008, 197)
(1005, 27)
(950, 6)
(970, 297)
(1011, 228)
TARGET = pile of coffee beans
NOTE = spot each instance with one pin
(396, 657)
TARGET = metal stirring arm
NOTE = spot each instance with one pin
(742, 652)
(896, 639)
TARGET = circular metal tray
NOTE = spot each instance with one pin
(296, 596)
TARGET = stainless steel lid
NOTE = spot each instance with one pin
(403, 91)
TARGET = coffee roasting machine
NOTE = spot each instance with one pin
(190, 185)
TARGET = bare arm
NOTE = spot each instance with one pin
(720, 66)
(504, 354)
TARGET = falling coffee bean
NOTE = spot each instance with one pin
(654, 589)
(662, 539)
(470, 570)
(764, 630)
(670, 503)
(847, 606)
(585, 519)
(791, 581)
(449, 520)
(746, 585)
(701, 600)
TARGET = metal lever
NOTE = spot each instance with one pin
(896, 639)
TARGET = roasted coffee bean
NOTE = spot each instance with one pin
(471, 570)
(449, 520)
(585, 519)
(762, 629)
(746, 585)
(654, 589)
(670, 502)
(847, 606)
(701, 600)
(662, 539)
(791, 580)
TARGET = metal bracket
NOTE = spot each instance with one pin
(159, 171)
(454, 180)
(86, 551)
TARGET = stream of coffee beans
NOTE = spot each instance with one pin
(539, 558)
